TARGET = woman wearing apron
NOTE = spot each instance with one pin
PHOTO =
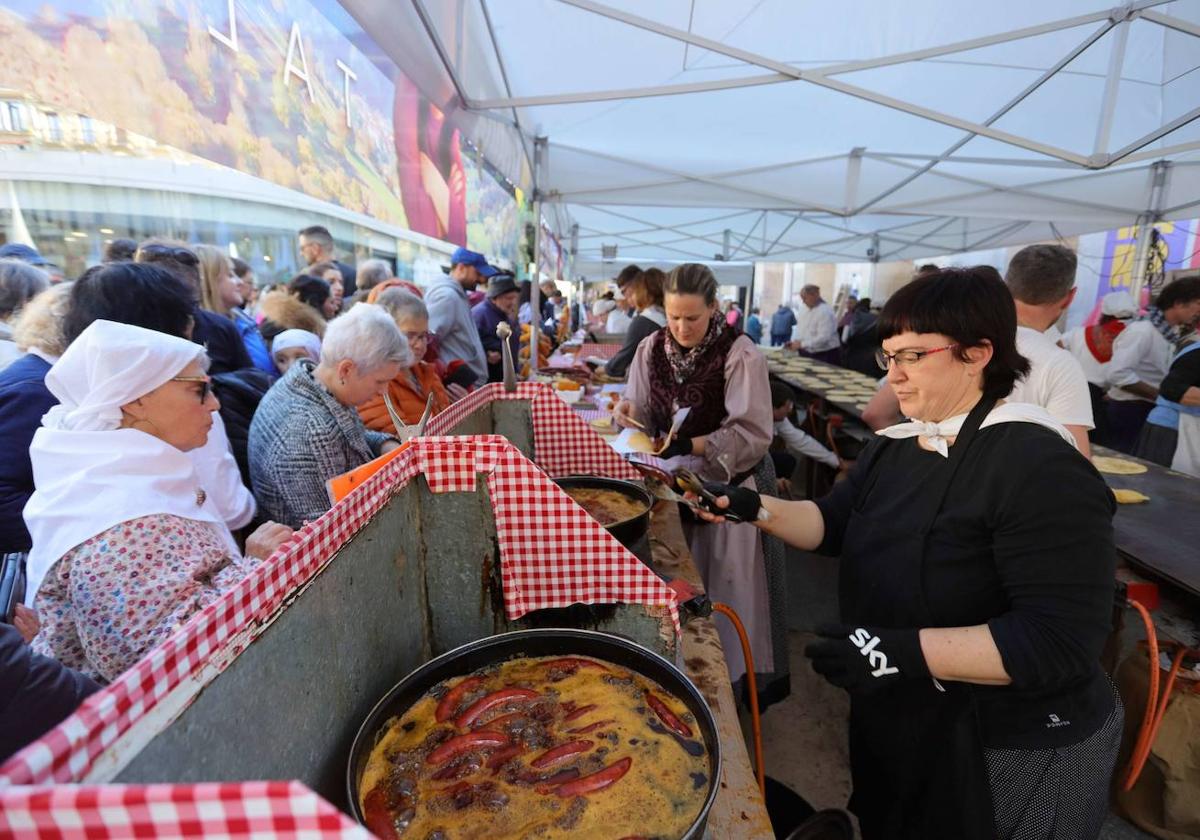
(975, 588)
(699, 362)
(1171, 436)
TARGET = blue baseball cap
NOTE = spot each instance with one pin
(462, 256)
(20, 251)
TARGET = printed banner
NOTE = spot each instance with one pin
(275, 90)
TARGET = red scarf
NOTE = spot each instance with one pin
(1100, 337)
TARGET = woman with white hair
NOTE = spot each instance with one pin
(416, 383)
(307, 431)
(112, 578)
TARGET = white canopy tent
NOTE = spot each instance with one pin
(782, 130)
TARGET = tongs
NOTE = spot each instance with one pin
(660, 484)
(689, 482)
(403, 430)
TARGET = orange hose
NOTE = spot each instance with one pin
(1137, 760)
(752, 687)
(1141, 746)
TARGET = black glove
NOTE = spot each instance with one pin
(744, 504)
(678, 446)
(866, 659)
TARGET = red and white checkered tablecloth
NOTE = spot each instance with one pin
(266, 810)
(552, 554)
(563, 442)
(600, 351)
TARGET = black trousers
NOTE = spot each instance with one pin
(1125, 421)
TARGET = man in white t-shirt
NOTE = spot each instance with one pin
(816, 329)
(1142, 355)
(1041, 279)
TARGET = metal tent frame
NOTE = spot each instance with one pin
(875, 203)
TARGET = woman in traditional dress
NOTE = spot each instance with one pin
(699, 362)
(127, 543)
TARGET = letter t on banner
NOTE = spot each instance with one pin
(295, 45)
(229, 40)
(348, 76)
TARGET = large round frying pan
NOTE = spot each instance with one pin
(627, 531)
(541, 642)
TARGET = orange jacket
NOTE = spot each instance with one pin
(409, 401)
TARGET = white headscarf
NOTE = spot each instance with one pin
(90, 474)
(938, 434)
(310, 342)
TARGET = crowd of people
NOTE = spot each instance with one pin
(209, 413)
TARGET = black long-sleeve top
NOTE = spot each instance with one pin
(1023, 543)
(641, 327)
(1184, 374)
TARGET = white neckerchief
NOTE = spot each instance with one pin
(89, 474)
(87, 482)
(938, 434)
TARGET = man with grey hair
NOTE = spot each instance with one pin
(315, 244)
(1041, 279)
(816, 328)
(20, 283)
(307, 429)
(371, 273)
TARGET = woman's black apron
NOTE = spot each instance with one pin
(915, 750)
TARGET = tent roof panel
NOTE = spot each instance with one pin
(683, 118)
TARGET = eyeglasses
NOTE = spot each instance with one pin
(179, 255)
(906, 357)
(418, 336)
(205, 387)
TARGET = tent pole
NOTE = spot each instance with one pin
(1160, 173)
(535, 291)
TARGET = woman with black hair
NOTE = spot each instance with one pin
(975, 587)
(316, 293)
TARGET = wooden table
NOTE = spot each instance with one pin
(739, 810)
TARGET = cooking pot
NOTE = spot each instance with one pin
(628, 531)
(541, 642)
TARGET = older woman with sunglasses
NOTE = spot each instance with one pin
(975, 588)
(416, 383)
(127, 544)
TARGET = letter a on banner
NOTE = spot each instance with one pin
(229, 40)
(295, 45)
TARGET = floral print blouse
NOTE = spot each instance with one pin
(107, 601)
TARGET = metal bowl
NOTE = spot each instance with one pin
(532, 643)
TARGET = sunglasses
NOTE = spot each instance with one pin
(179, 255)
(205, 385)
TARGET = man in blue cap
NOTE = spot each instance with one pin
(29, 254)
(24, 253)
(450, 313)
